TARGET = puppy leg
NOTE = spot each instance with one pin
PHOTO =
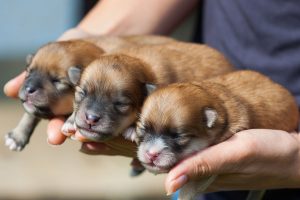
(17, 139)
(69, 127)
(136, 168)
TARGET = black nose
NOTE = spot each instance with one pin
(30, 89)
(91, 119)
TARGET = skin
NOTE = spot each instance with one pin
(279, 166)
(242, 161)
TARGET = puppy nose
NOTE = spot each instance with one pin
(152, 155)
(30, 89)
(91, 119)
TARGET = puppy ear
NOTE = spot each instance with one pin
(74, 74)
(211, 116)
(29, 58)
(150, 87)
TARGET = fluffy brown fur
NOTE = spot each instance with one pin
(184, 118)
(209, 112)
(48, 91)
(124, 75)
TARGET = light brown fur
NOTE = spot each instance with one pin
(179, 62)
(54, 59)
(127, 71)
(242, 100)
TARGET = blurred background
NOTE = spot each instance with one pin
(42, 171)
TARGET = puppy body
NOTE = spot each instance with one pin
(181, 119)
(112, 89)
(112, 44)
(179, 62)
(47, 90)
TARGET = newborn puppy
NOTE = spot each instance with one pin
(47, 90)
(184, 118)
(112, 89)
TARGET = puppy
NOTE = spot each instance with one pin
(184, 118)
(112, 89)
(47, 90)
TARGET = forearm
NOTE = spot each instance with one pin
(116, 17)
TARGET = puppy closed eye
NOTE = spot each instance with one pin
(183, 139)
(60, 85)
(79, 94)
(122, 107)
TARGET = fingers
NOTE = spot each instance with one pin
(55, 136)
(12, 87)
(96, 148)
(211, 161)
(77, 136)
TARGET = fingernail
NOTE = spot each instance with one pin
(176, 184)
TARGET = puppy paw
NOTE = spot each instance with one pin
(14, 143)
(68, 129)
(136, 167)
(134, 172)
(130, 134)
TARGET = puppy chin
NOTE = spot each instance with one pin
(164, 161)
(39, 112)
(94, 136)
(29, 107)
(156, 169)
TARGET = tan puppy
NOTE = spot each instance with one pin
(47, 90)
(112, 89)
(181, 119)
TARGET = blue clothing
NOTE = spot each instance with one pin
(262, 35)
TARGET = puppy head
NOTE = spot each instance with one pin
(109, 96)
(47, 90)
(175, 122)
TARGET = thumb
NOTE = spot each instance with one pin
(12, 87)
(210, 161)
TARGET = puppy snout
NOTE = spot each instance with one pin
(152, 155)
(92, 118)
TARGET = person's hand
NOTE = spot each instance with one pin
(251, 159)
